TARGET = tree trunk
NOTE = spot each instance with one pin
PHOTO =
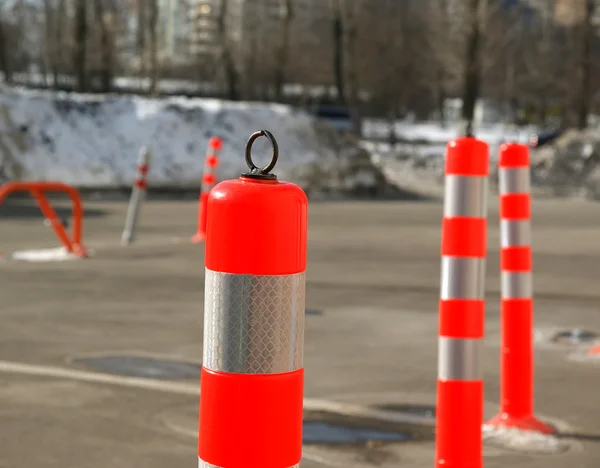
(338, 51)
(351, 13)
(586, 66)
(4, 56)
(80, 56)
(472, 68)
(287, 15)
(105, 16)
(49, 46)
(231, 76)
(59, 34)
(152, 28)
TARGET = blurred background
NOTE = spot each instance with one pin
(401, 76)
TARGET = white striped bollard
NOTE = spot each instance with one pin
(138, 194)
(516, 308)
(462, 308)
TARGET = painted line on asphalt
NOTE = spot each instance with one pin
(8, 367)
(310, 404)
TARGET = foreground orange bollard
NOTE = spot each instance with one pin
(252, 379)
(459, 441)
(516, 359)
(209, 178)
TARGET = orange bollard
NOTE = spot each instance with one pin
(459, 441)
(208, 181)
(252, 376)
(595, 350)
(516, 359)
(72, 244)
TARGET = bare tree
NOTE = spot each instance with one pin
(337, 26)
(153, 36)
(4, 56)
(80, 39)
(286, 10)
(351, 12)
(226, 57)
(472, 67)
(105, 13)
(585, 71)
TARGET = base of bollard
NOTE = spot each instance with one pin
(198, 238)
(595, 351)
(526, 423)
(80, 251)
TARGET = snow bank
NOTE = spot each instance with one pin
(93, 141)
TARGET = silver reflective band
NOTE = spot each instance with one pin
(465, 196)
(462, 278)
(515, 233)
(459, 358)
(202, 464)
(253, 324)
(516, 285)
(514, 180)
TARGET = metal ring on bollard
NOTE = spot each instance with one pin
(261, 172)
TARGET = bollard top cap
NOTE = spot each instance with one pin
(261, 172)
(513, 155)
(215, 143)
(467, 156)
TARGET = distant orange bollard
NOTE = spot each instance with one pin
(252, 379)
(36, 189)
(459, 440)
(595, 350)
(516, 359)
(209, 179)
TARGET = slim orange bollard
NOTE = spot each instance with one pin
(516, 359)
(252, 376)
(459, 416)
(209, 178)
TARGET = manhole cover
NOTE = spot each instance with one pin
(141, 366)
(327, 428)
(574, 337)
(317, 432)
(426, 411)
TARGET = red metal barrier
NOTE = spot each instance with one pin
(37, 190)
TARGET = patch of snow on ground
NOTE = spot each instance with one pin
(524, 441)
(58, 254)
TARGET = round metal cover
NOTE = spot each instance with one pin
(313, 312)
(574, 337)
(319, 432)
(141, 366)
(426, 411)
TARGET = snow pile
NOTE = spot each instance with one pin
(524, 441)
(93, 141)
(416, 162)
(571, 165)
(433, 133)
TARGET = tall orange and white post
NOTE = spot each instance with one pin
(459, 441)
(516, 308)
(209, 178)
(252, 376)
